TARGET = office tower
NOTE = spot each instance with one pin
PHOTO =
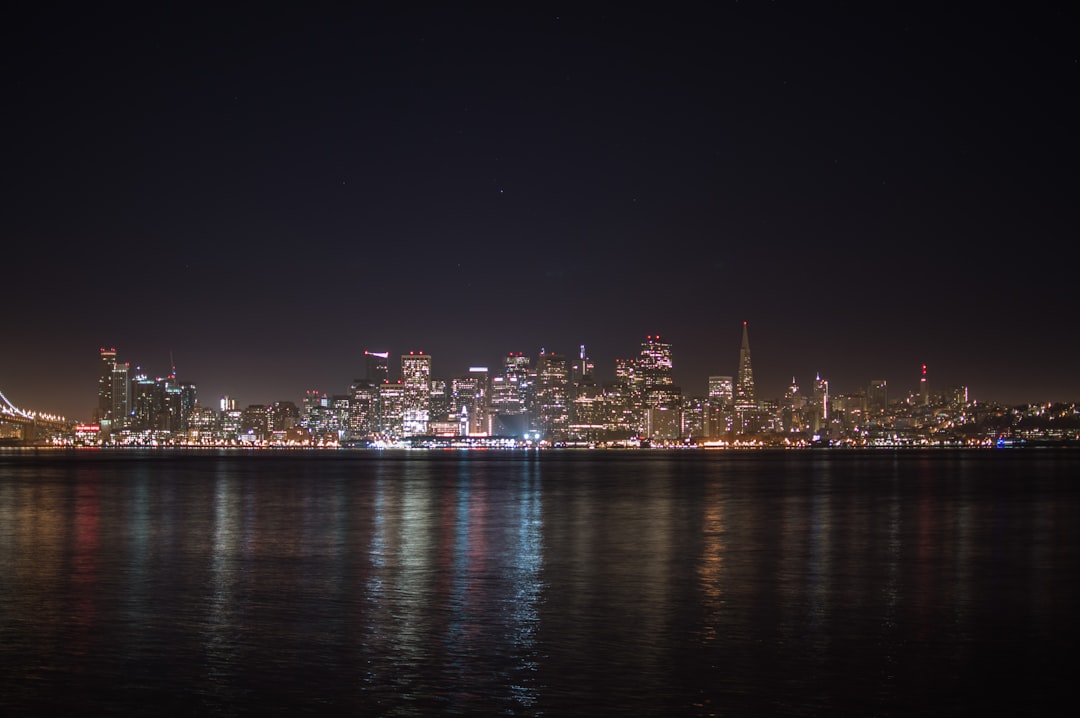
(363, 409)
(147, 403)
(582, 371)
(255, 422)
(227, 403)
(552, 379)
(820, 403)
(924, 388)
(377, 366)
(315, 413)
(283, 415)
(105, 386)
(721, 411)
(338, 425)
(416, 392)
(480, 418)
(631, 378)
(744, 384)
(517, 368)
(695, 417)
(655, 363)
(791, 410)
(721, 391)
(391, 410)
(661, 399)
(877, 398)
(120, 393)
(439, 401)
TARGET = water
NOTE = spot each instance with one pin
(564, 583)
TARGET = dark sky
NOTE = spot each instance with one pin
(265, 194)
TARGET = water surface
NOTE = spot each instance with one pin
(558, 583)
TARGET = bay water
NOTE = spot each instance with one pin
(633, 582)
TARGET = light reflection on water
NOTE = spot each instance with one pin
(517, 584)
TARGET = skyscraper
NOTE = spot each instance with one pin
(377, 367)
(416, 386)
(744, 383)
(655, 363)
(105, 385)
(877, 398)
(120, 414)
(552, 378)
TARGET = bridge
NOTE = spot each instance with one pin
(23, 427)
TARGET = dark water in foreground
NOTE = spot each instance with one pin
(569, 583)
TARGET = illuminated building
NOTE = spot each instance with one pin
(877, 398)
(105, 387)
(924, 388)
(363, 409)
(147, 403)
(655, 363)
(586, 405)
(746, 408)
(694, 416)
(282, 416)
(416, 392)
(377, 366)
(631, 397)
(744, 385)
(820, 404)
(587, 413)
(552, 379)
(255, 422)
(582, 371)
(231, 421)
(721, 391)
(120, 394)
(439, 400)
(391, 409)
(315, 414)
(662, 400)
(792, 413)
(469, 401)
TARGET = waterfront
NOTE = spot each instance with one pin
(528, 583)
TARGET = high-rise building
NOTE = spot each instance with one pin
(655, 362)
(582, 371)
(746, 407)
(105, 386)
(255, 422)
(416, 392)
(924, 388)
(391, 409)
(721, 410)
(120, 395)
(147, 404)
(820, 404)
(552, 379)
(377, 367)
(792, 408)
(744, 383)
(282, 416)
(877, 398)
(363, 409)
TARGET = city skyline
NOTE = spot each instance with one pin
(391, 366)
(263, 195)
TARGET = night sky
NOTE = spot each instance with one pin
(263, 195)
